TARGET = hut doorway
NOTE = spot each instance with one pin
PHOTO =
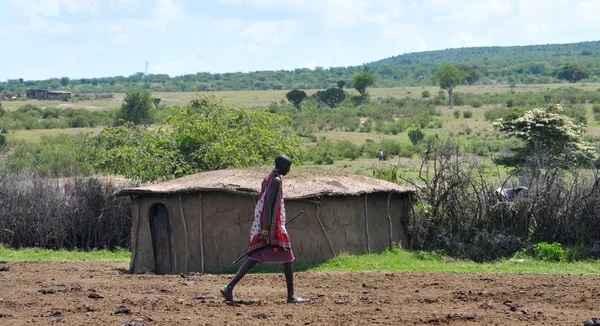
(160, 227)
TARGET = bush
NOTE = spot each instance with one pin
(467, 114)
(347, 149)
(476, 103)
(415, 135)
(510, 103)
(425, 94)
(596, 108)
(456, 114)
(549, 251)
(78, 213)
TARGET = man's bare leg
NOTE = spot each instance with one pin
(288, 270)
(227, 291)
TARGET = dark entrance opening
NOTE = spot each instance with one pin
(160, 227)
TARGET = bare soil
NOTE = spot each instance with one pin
(96, 293)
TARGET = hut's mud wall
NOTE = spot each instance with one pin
(211, 229)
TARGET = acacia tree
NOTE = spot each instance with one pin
(572, 73)
(448, 76)
(550, 131)
(361, 82)
(296, 97)
(332, 96)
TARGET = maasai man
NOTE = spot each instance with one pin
(269, 240)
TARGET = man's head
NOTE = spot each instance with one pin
(283, 164)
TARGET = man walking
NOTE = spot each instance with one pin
(269, 240)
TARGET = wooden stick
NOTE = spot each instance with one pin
(391, 244)
(172, 242)
(201, 233)
(135, 239)
(367, 225)
(324, 231)
(185, 237)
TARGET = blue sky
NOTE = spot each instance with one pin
(94, 38)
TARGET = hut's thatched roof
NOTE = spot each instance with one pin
(306, 183)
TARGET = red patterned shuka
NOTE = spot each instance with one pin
(278, 235)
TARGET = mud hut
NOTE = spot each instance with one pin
(201, 222)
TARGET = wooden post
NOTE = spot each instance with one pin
(135, 236)
(367, 225)
(185, 237)
(201, 233)
(391, 244)
(172, 249)
(414, 218)
(324, 231)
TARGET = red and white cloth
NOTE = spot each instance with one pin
(278, 247)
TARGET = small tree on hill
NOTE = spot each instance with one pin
(332, 96)
(361, 82)
(296, 97)
(448, 76)
(341, 84)
(550, 131)
(572, 73)
(136, 108)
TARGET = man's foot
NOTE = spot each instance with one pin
(227, 293)
(295, 299)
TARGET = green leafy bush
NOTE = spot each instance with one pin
(456, 114)
(549, 251)
(415, 135)
(425, 94)
(467, 114)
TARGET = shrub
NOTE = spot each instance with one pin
(456, 114)
(77, 213)
(510, 103)
(347, 149)
(425, 94)
(476, 103)
(415, 135)
(596, 108)
(549, 251)
(467, 114)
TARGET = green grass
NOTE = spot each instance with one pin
(401, 260)
(39, 255)
(389, 260)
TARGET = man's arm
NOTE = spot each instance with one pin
(270, 204)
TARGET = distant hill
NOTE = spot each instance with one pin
(497, 65)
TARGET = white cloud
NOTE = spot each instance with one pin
(470, 12)
(118, 35)
(337, 14)
(176, 67)
(36, 8)
(270, 32)
(466, 39)
(168, 10)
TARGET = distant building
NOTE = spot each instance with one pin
(43, 94)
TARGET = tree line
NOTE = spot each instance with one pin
(527, 64)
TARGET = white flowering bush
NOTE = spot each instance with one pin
(549, 130)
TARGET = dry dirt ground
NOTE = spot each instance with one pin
(96, 293)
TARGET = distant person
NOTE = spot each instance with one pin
(380, 155)
(270, 243)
